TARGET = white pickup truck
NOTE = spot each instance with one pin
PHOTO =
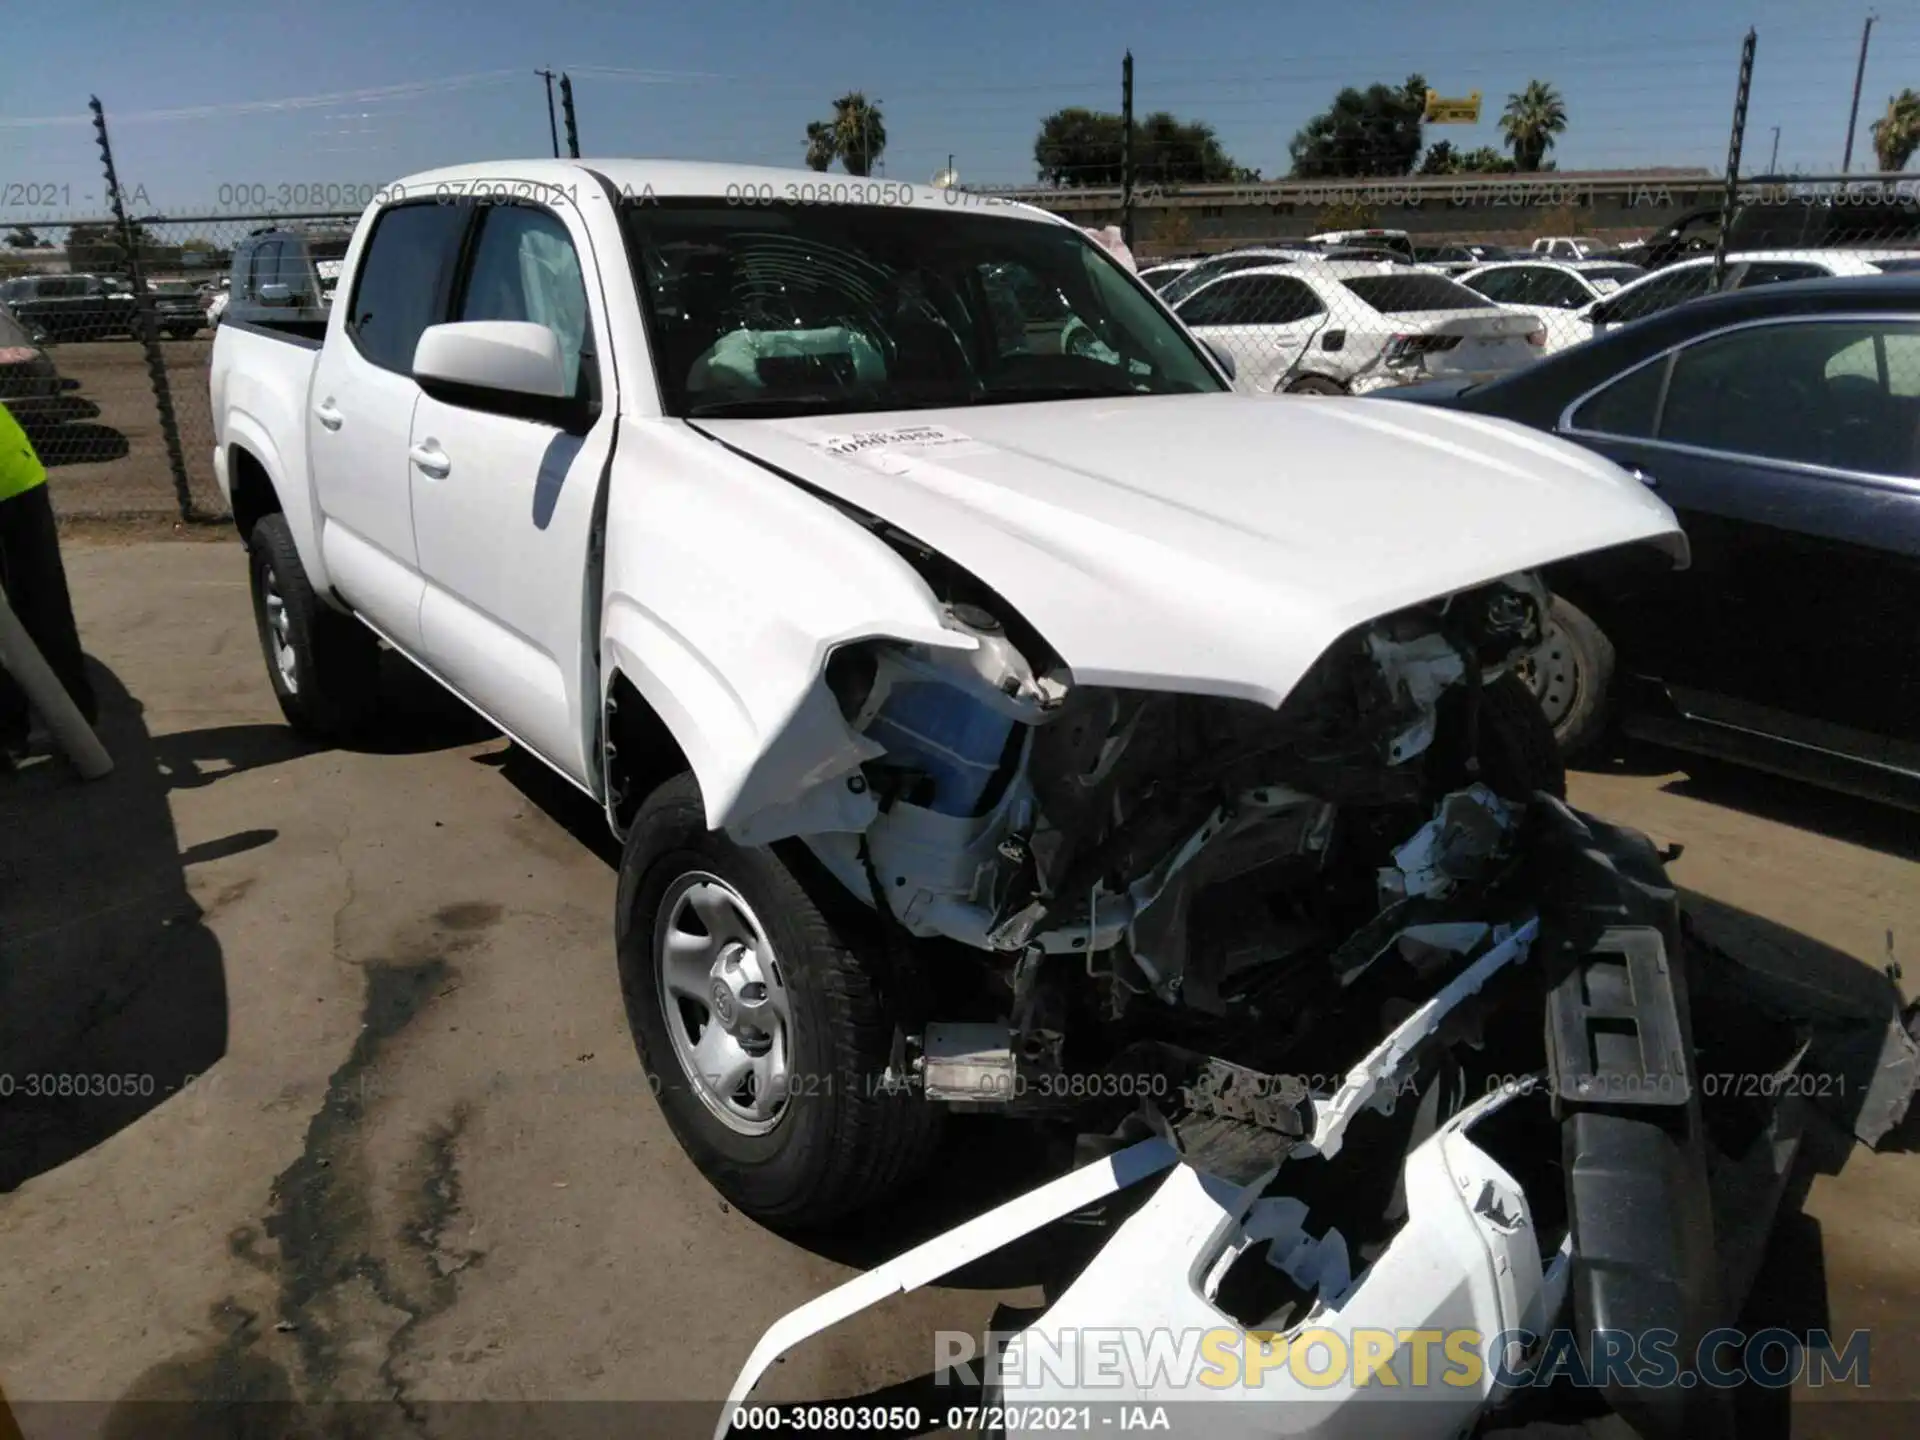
(990, 721)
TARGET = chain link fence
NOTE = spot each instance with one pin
(109, 357)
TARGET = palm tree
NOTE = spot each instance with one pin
(1531, 121)
(1896, 135)
(820, 146)
(859, 132)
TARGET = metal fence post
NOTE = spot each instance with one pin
(143, 309)
(1734, 144)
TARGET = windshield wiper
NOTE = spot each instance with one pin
(1026, 394)
(788, 404)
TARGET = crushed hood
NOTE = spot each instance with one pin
(1214, 544)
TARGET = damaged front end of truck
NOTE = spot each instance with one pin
(1368, 1030)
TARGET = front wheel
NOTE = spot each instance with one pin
(1315, 385)
(759, 1023)
(1570, 674)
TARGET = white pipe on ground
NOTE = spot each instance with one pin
(23, 660)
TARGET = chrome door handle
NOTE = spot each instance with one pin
(431, 459)
(327, 415)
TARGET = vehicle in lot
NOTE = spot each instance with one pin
(30, 383)
(1689, 279)
(1254, 257)
(1867, 215)
(1162, 273)
(1395, 240)
(71, 307)
(1059, 734)
(1552, 291)
(1456, 260)
(178, 309)
(1783, 425)
(285, 276)
(1568, 247)
(1347, 327)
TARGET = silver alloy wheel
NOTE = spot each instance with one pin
(281, 631)
(1553, 675)
(725, 1002)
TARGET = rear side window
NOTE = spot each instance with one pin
(525, 268)
(403, 281)
(1628, 407)
(1401, 294)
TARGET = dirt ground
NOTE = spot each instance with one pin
(110, 458)
(422, 1163)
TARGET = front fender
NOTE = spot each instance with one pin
(727, 587)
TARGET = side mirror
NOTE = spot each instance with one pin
(1224, 356)
(274, 293)
(507, 367)
(1597, 313)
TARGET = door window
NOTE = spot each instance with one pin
(1252, 300)
(1503, 287)
(403, 281)
(525, 268)
(1839, 394)
(1557, 289)
(265, 267)
(1662, 292)
(1772, 272)
(1626, 408)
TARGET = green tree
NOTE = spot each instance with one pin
(820, 147)
(1077, 146)
(1375, 131)
(1442, 159)
(1531, 122)
(21, 237)
(859, 133)
(1896, 135)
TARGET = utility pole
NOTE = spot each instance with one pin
(566, 111)
(547, 75)
(1126, 150)
(1773, 160)
(1859, 74)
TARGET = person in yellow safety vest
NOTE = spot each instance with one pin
(35, 583)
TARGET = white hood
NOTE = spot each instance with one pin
(1215, 544)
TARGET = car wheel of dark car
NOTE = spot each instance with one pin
(758, 1020)
(1570, 675)
(325, 666)
(1316, 385)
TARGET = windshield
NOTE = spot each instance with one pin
(806, 308)
(1399, 294)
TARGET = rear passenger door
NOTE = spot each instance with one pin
(504, 507)
(1791, 453)
(361, 405)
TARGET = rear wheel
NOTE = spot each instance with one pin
(325, 666)
(1315, 385)
(759, 1023)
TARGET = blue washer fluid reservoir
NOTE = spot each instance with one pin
(955, 740)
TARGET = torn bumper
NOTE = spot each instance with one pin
(1387, 1355)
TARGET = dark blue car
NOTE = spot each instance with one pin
(1783, 426)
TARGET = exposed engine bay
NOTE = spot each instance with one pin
(1065, 870)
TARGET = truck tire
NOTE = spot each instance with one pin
(1571, 676)
(1519, 753)
(733, 976)
(325, 666)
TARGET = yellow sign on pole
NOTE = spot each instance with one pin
(1452, 112)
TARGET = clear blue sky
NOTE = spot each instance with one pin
(1645, 81)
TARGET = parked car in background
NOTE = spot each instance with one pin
(1253, 258)
(1395, 240)
(1455, 260)
(1552, 290)
(217, 296)
(71, 307)
(1870, 215)
(1688, 279)
(1782, 423)
(178, 309)
(1568, 247)
(1346, 327)
(1162, 273)
(30, 383)
(285, 276)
